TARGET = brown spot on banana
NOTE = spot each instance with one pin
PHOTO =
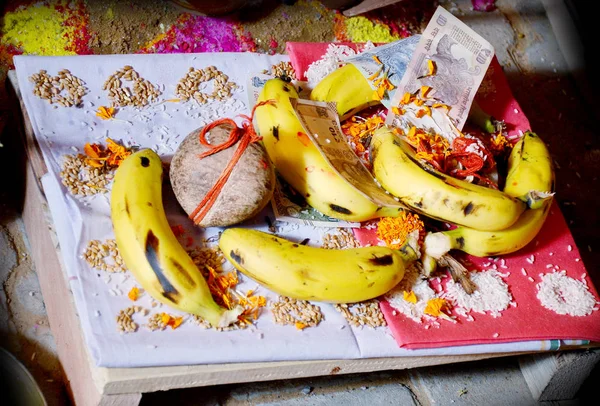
(339, 209)
(185, 276)
(382, 261)
(469, 208)
(127, 208)
(152, 253)
(145, 161)
(275, 131)
(236, 257)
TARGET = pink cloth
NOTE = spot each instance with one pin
(529, 320)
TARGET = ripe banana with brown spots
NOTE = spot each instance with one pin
(435, 194)
(300, 163)
(150, 249)
(531, 179)
(317, 274)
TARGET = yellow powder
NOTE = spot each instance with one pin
(361, 29)
(38, 29)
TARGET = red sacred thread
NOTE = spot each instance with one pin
(245, 135)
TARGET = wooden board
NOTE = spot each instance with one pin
(91, 385)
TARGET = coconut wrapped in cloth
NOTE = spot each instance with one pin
(245, 193)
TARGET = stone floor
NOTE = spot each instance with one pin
(555, 101)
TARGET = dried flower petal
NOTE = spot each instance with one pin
(410, 297)
(105, 113)
(431, 67)
(434, 306)
(133, 294)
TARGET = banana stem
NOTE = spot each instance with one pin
(438, 244)
(459, 273)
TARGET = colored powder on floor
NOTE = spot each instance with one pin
(39, 29)
(77, 31)
(194, 33)
(361, 29)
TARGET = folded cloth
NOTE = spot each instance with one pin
(553, 250)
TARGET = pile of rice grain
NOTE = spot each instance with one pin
(565, 295)
(334, 58)
(412, 281)
(491, 295)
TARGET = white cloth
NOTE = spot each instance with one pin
(99, 296)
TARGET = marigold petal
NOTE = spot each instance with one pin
(410, 297)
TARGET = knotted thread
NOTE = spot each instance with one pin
(245, 135)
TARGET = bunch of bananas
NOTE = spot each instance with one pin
(490, 222)
(301, 164)
(530, 179)
(150, 249)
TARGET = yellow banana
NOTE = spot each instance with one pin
(317, 274)
(301, 164)
(530, 173)
(348, 88)
(529, 168)
(148, 246)
(437, 195)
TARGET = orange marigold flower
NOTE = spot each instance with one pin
(394, 230)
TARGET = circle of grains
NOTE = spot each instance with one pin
(120, 95)
(64, 89)
(187, 88)
(97, 252)
(125, 323)
(82, 179)
(291, 311)
(283, 69)
(365, 313)
(341, 240)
